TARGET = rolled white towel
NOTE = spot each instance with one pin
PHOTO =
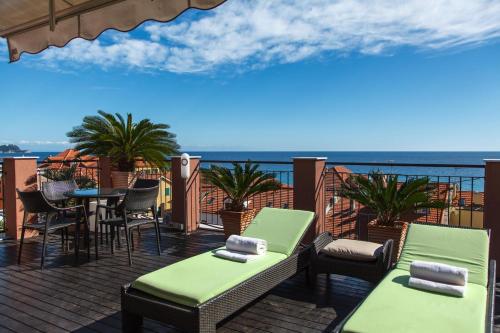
(442, 288)
(246, 244)
(437, 272)
(236, 256)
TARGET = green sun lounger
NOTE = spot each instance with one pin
(395, 307)
(196, 293)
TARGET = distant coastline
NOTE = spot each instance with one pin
(12, 149)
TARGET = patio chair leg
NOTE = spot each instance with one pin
(100, 233)
(77, 242)
(62, 239)
(131, 323)
(97, 226)
(66, 232)
(132, 238)
(157, 232)
(112, 239)
(118, 235)
(20, 247)
(139, 230)
(127, 235)
(44, 248)
(106, 229)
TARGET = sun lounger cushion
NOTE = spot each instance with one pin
(466, 248)
(395, 307)
(194, 281)
(281, 228)
(351, 249)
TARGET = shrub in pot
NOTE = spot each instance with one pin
(389, 200)
(125, 142)
(239, 185)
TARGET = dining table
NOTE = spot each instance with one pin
(84, 196)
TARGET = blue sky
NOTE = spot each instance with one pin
(253, 76)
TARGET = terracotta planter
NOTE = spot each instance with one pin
(236, 222)
(121, 179)
(380, 233)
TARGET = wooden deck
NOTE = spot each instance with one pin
(86, 298)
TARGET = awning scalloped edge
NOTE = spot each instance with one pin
(121, 16)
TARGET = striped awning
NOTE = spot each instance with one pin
(34, 25)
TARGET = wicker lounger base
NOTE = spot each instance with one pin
(204, 318)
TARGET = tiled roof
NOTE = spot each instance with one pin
(65, 158)
(466, 198)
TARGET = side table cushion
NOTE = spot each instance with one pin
(351, 249)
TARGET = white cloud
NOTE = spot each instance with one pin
(258, 33)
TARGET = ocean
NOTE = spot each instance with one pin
(358, 156)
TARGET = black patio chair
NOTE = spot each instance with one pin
(146, 183)
(132, 212)
(50, 219)
(54, 191)
(112, 204)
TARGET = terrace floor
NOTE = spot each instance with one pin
(64, 298)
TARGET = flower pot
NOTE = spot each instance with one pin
(121, 179)
(236, 222)
(380, 233)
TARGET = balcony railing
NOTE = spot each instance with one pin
(460, 187)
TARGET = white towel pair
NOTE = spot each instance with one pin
(242, 249)
(437, 277)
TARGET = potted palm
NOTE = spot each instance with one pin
(389, 200)
(239, 185)
(124, 142)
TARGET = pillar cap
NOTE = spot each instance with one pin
(492, 160)
(21, 157)
(310, 158)
(179, 156)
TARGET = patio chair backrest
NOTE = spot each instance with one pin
(140, 199)
(54, 191)
(146, 183)
(34, 202)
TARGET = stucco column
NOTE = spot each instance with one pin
(309, 190)
(186, 194)
(105, 172)
(18, 173)
(492, 205)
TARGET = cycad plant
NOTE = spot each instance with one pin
(388, 198)
(241, 183)
(124, 140)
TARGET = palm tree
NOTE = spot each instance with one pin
(123, 140)
(241, 183)
(389, 199)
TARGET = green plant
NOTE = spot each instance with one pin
(69, 173)
(124, 140)
(241, 183)
(388, 198)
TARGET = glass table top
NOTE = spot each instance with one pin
(97, 193)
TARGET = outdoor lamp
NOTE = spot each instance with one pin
(185, 166)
